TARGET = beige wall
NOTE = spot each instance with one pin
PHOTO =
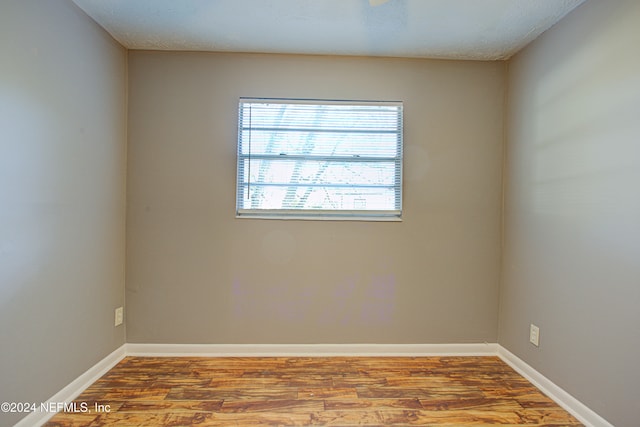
(196, 274)
(62, 197)
(572, 207)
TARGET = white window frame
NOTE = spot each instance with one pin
(243, 183)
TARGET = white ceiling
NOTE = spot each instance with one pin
(452, 29)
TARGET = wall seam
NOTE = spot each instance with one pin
(505, 124)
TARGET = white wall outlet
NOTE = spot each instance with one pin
(534, 335)
(119, 316)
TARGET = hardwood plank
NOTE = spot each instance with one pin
(374, 404)
(72, 420)
(272, 382)
(259, 419)
(448, 404)
(230, 394)
(150, 419)
(290, 406)
(327, 393)
(115, 394)
(547, 416)
(360, 381)
(343, 418)
(435, 382)
(418, 393)
(171, 406)
(453, 417)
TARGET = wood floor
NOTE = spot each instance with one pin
(385, 391)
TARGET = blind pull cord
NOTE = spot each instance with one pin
(249, 168)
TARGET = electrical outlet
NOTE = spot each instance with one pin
(534, 335)
(119, 316)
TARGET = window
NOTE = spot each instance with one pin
(313, 159)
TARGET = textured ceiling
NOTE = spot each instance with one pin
(453, 29)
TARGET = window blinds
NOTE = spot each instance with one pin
(331, 159)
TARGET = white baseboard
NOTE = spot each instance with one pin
(310, 350)
(585, 415)
(73, 389)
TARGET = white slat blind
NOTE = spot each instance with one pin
(320, 159)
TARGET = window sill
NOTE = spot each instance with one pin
(322, 217)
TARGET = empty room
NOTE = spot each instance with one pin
(319, 212)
